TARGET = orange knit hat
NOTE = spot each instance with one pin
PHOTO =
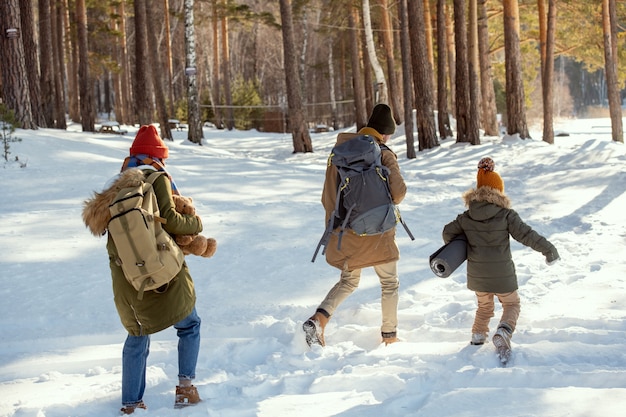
(148, 142)
(487, 177)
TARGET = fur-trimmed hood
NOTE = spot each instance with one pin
(96, 213)
(485, 202)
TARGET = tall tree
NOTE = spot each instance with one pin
(15, 90)
(297, 124)
(489, 112)
(422, 78)
(609, 29)
(31, 61)
(407, 77)
(58, 63)
(465, 129)
(142, 74)
(473, 68)
(194, 133)
(395, 98)
(381, 84)
(168, 58)
(87, 103)
(46, 62)
(228, 99)
(357, 79)
(215, 87)
(71, 57)
(546, 37)
(515, 98)
(443, 118)
(157, 81)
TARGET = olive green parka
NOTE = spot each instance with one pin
(362, 251)
(156, 311)
(487, 224)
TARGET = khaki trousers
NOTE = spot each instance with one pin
(389, 283)
(510, 310)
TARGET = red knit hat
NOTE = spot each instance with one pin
(148, 142)
(487, 177)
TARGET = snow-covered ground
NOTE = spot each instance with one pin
(60, 347)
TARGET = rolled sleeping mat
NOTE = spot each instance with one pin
(449, 257)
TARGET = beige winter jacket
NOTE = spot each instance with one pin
(362, 251)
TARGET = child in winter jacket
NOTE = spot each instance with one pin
(487, 225)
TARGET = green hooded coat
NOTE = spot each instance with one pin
(156, 311)
(487, 224)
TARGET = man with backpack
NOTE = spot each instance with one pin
(147, 310)
(350, 251)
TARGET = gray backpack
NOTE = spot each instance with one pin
(363, 204)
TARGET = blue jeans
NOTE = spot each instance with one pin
(135, 356)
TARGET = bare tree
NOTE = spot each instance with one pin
(87, 110)
(228, 99)
(407, 77)
(381, 84)
(194, 133)
(297, 125)
(515, 99)
(609, 29)
(422, 78)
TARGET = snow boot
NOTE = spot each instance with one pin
(130, 409)
(389, 337)
(314, 328)
(478, 339)
(502, 342)
(186, 396)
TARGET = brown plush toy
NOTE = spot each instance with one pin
(193, 244)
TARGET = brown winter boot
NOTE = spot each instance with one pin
(314, 328)
(186, 396)
(130, 409)
(389, 337)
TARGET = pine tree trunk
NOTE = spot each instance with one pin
(443, 118)
(451, 47)
(157, 81)
(168, 59)
(15, 90)
(31, 61)
(547, 67)
(407, 79)
(463, 100)
(473, 68)
(71, 51)
(142, 101)
(58, 65)
(215, 90)
(515, 99)
(46, 63)
(357, 79)
(297, 123)
(422, 78)
(230, 118)
(395, 98)
(609, 28)
(489, 112)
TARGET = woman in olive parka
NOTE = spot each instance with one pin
(156, 310)
(487, 225)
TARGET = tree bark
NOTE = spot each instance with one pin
(357, 79)
(443, 118)
(473, 67)
(15, 90)
(547, 67)
(464, 129)
(609, 28)
(142, 102)
(489, 111)
(168, 59)
(215, 91)
(58, 62)
(422, 78)
(395, 99)
(46, 63)
(31, 61)
(71, 51)
(157, 81)
(515, 99)
(87, 110)
(228, 99)
(407, 77)
(297, 124)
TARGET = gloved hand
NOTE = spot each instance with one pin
(551, 256)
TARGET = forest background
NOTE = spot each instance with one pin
(465, 65)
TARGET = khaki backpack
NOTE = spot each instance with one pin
(148, 255)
